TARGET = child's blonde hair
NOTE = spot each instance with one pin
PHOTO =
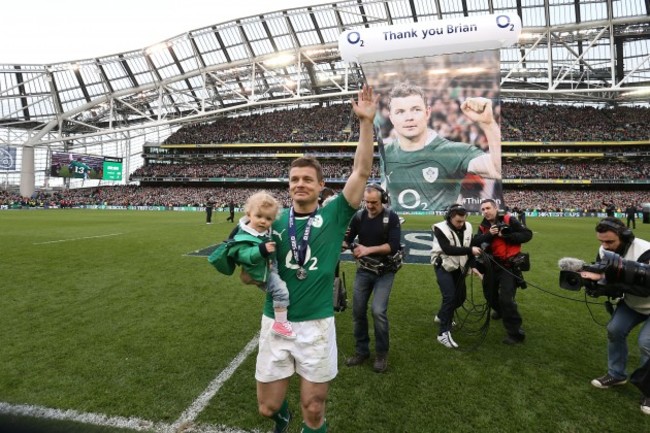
(262, 200)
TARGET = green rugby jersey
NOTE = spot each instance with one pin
(311, 298)
(428, 179)
(78, 169)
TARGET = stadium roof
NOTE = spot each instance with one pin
(570, 50)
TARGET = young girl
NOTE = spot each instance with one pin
(252, 249)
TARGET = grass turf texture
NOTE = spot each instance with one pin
(127, 324)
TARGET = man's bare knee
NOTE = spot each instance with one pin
(266, 410)
(313, 411)
(270, 396)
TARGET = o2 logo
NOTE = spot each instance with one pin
(355, 38)
(503, 22)
(7, 161)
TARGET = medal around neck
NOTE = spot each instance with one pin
(301, 273)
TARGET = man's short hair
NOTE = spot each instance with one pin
(611, 224)
(309, 161)
(404, 89)
(490, 200)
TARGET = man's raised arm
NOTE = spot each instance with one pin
(365, 109)
(479, 110)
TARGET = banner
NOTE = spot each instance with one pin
(438, 116)
(7, 158)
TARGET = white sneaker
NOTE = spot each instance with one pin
(645, 405)
(437, 320)
(446, 340)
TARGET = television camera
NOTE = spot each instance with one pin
(617, 276)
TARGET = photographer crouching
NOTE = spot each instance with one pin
(501, 236)
(634, 309)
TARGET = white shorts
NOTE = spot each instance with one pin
(313, 354)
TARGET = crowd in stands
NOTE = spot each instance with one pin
(334, 123)
(561, 149)
(133, 195)
(592, 169)
(316, 124)
(528, 199)
(250, 169)
(578, 200)
(533, 122)
(603, 169)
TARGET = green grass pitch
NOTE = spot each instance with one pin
(108, 313)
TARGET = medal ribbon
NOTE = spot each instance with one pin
(299, 250)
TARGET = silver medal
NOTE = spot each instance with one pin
(301, 273)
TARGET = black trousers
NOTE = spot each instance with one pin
(500, 295)
(641, 378)
(632, 220)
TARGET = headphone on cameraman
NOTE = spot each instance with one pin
(624, 233)
(384, 195)
(454, 209)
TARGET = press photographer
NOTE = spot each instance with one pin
(634, 309)
(378, 253)
(500, 235)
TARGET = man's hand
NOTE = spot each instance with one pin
(360, 251)
(590, 275)
(478, 110)
(366, 106)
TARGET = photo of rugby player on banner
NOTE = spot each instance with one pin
(438, 119)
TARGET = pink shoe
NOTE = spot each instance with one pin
(283, 329)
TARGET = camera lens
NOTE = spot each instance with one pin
(570, 280)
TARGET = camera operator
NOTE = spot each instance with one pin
(379, 232)
(631, 311)
(503, 235)
(449, 256)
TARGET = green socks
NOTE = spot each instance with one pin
(282, 417)
(321, 429)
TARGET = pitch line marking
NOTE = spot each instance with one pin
(193, 411)
(81, 417)
(77, 239)
(102, 420)
(183, 423)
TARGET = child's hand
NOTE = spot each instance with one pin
(270, 247)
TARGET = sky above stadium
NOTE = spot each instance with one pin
(56, 31)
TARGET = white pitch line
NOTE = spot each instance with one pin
(190, 414)
(76, 239)
(81, 417)
(184, 423)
